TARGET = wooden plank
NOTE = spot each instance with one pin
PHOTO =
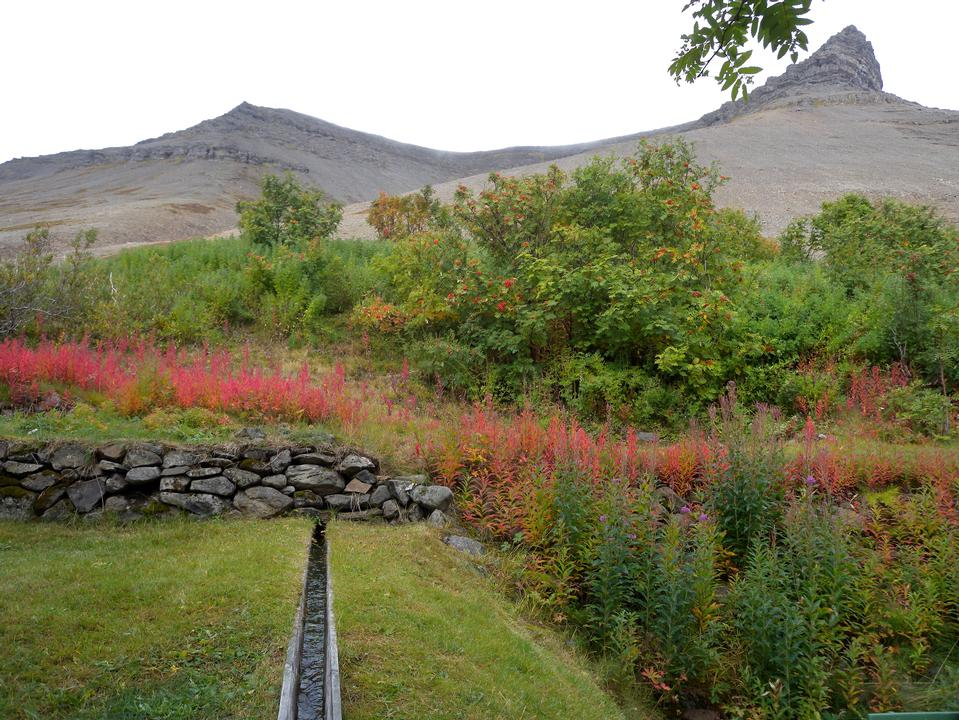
(334, 709)
(294, 652)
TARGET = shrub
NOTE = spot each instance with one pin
(287, 214)
(35, 290)
(926, 412)
(395, 217)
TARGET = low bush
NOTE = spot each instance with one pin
(36, 292)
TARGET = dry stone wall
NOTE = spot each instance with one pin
(135, 480)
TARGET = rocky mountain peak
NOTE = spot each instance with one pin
(845, 65)
(845, 60)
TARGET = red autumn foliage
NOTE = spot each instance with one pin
(497, 462)
(137, 375)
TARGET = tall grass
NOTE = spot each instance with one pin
(197, 290)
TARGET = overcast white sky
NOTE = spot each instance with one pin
(451, 75)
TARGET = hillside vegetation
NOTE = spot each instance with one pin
(791, 549)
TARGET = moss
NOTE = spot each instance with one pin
(153, 508)
(16, 492)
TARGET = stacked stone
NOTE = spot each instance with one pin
(135, 480)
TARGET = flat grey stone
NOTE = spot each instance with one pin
(116, 504)
(397, 488)
(179, 457)
(262, 502)
(196, 503)
(352, 464)
(116, 483)
(365, 476)
(242, 478)
(257, 466)
(113, 451)
(432, 497)
(323, 459)
(176, 470)
(143, 474)
(217, 462)
(87, 494)
(176, 483)
(58, 511)
(437, 519)
(141, 457)
(21, 469)
(281, 461)
(465, 544)
(347, 503)
(391, 510)
(108, 466)
(380, 496)
(203, 472)
(312, 477)
(214, 485)
(69, 456)
(307, 498)
(38, 482)
(48, 498)
(360, 515)
(275, 481)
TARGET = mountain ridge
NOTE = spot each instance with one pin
(186, 183)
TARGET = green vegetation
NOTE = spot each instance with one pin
(34, 290)
(423, 635)
(620, 293)
(101, 423)
(755, 591)
(625, 295)
(287, 214)
(790, 552)
(153, 620)
(197, 291)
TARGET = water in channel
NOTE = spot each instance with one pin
(310, 698)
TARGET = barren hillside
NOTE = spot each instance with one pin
(822, 128)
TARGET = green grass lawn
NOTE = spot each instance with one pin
(172, 619)
(422, 634)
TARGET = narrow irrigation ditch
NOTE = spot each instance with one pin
(311, 676)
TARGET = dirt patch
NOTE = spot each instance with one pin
(195, 208)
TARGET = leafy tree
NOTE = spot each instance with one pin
(288, 214)
(721, 30)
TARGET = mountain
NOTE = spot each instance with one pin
(823, 128)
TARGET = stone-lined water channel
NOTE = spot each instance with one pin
(311, 676)
(310, 703)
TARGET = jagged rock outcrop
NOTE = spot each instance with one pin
(843, 69)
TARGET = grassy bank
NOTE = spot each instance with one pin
(154, 620)
(423, 635)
